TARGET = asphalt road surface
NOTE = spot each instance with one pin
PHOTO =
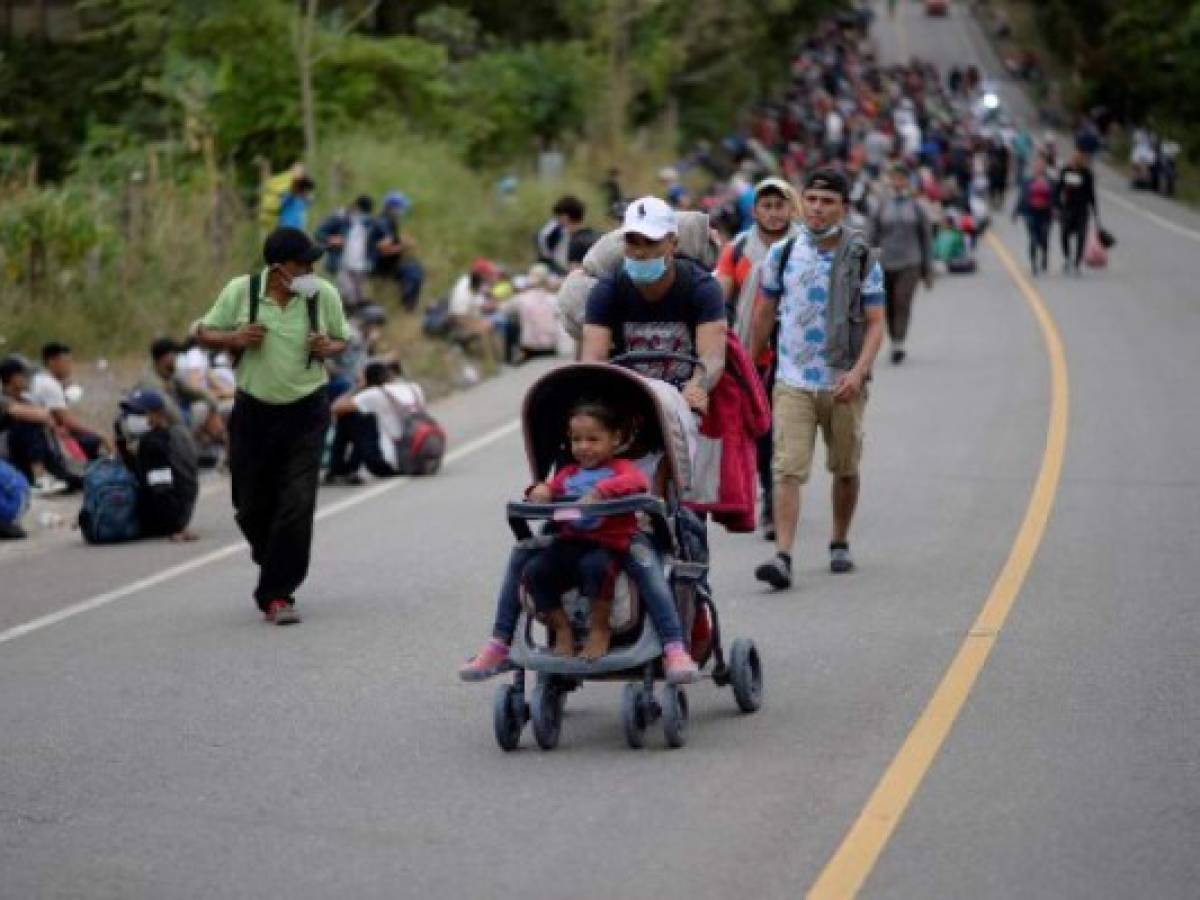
(160, 741)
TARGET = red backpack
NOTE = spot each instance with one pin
(422, 441)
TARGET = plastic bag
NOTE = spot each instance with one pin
(1094, 254)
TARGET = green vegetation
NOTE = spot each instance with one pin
(1138, 58)
(133, 139)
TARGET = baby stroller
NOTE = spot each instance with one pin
(677, 535)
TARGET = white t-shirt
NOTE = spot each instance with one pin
(191, 367)
(373, 401)
(834, 128)
(463, 300)
(47, 392)
(355, 257)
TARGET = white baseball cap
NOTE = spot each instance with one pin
(651, 218)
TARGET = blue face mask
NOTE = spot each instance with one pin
(645, 271)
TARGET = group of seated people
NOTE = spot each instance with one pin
(520, 312)
(360, 245)
(173, 422)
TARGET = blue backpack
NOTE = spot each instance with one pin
(14, 494)
(110, 504)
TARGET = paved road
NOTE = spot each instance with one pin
(167, 744)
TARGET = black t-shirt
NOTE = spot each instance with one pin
(581, 242)
(668, 324)
(1076, 191)
(167, 475)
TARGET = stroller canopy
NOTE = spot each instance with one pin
(548, 404)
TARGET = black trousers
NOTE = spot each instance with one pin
(30, 444)
(1074, 226)
(275, 464)
(356, 444)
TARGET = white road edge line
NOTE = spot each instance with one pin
(1113, 197)
(333, 509)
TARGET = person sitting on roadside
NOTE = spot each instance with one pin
(536, 311)
(32, 448)
(469, 297)
(293, 206)
(53, 390)
(553, 240)
(197, 409)
(161, 455)
(370, 422)
(396, 251)
(350, 237)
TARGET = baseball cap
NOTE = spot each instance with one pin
(775, 184)
(290, 245)
(397, 200)
(828, 180)
(651, 218)
(486, 269)
(143, 401)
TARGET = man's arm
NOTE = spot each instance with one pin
(343, 406)
(597, 343)
(850, 385)
(27, 412)
(219, 330)
(763, 324)
(710, 347)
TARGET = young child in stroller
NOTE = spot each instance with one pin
(587, 554)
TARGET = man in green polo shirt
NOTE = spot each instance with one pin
(281, 413)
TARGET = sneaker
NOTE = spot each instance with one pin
(282, 612)
(678, 665)
(46, 485)
(490, 661)
(777, 572)
(840, 561)
(898, 356)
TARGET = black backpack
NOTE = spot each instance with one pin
(254, 285)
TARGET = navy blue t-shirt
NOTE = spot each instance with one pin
(669, 324)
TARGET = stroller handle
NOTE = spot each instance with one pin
(520, 514)
(634, 357)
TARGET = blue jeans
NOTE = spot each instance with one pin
(641, 564)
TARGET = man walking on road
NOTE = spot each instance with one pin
(901, 230)
(825, 289)
(738, 272)
(284, 321)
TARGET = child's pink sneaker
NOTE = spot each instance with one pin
(678, 665)
(487, 663)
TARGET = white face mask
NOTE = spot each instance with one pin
(818, 236)
(305, 285)
(135, 424)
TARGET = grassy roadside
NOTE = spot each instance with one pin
(154, 265)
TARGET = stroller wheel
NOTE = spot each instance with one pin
(508, 716)
(745, 672)
(546, 706)
(675, 715)
(633, 716)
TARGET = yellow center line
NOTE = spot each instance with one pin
(849, 867)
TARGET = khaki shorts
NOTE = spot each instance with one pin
(798, 416)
